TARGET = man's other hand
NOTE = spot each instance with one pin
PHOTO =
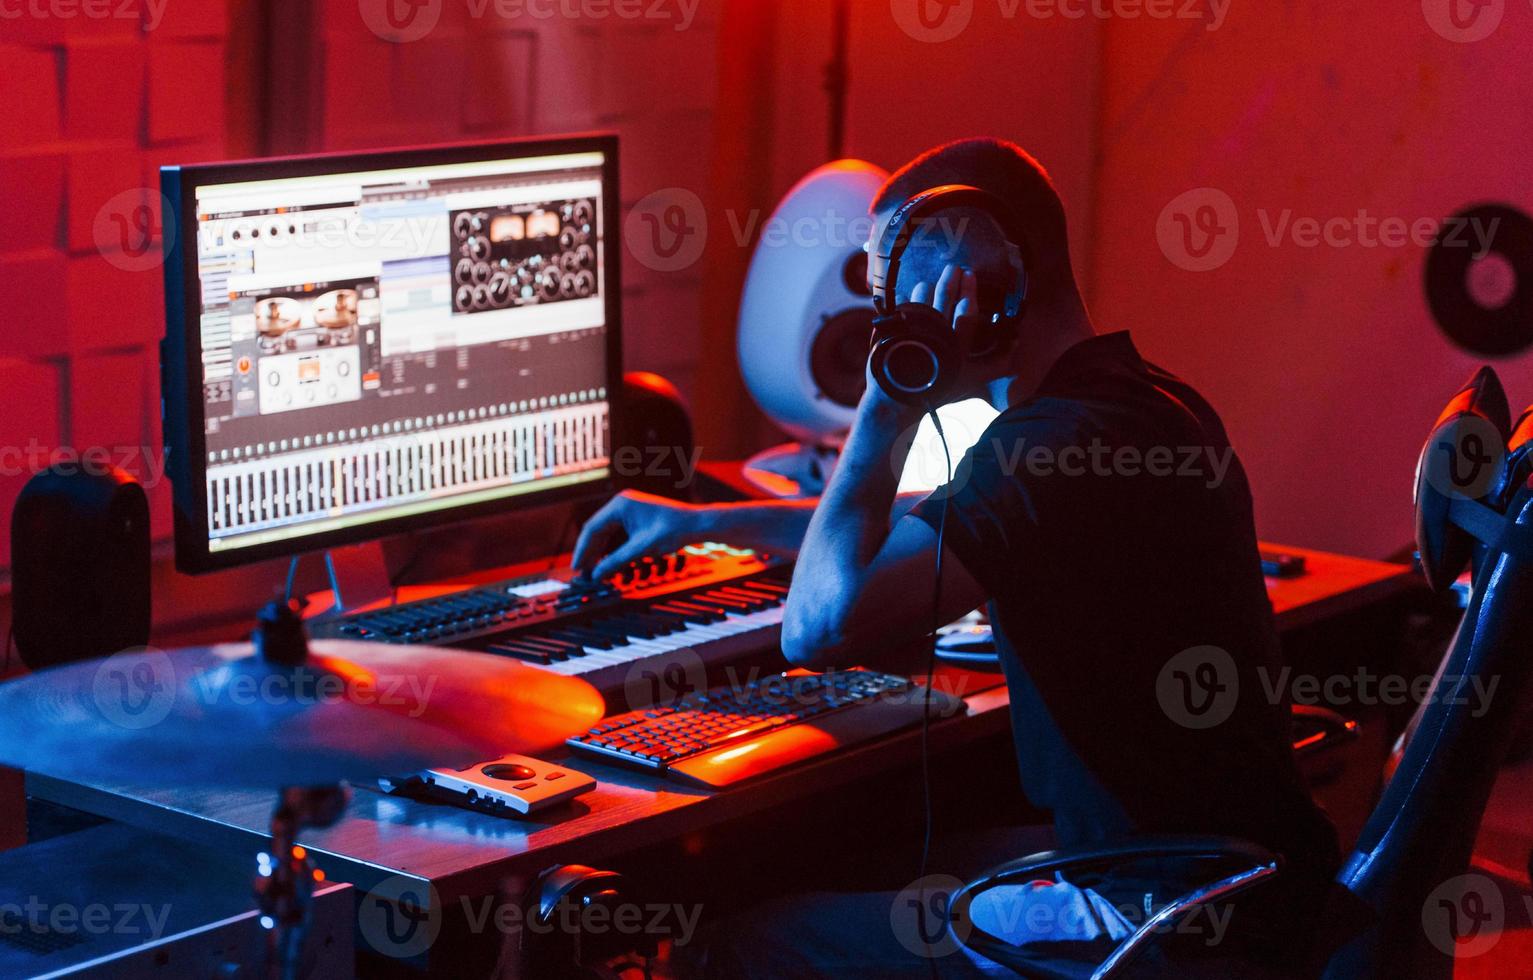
(633, 525)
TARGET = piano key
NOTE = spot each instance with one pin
(507, 648)
(587, 638)
(753, 601)
(632, 627)
(747, 592)
(767, 585)
(728, 601)
(611, 631)
(554, 648)
(691, 602)
(661, 622)
(697, 617)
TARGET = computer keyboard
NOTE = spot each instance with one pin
(724, 735)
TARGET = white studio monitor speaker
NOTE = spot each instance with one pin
(806, 318)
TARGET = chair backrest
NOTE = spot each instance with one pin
(1418, 842)
(1462, 459)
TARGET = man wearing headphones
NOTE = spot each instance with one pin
(1103, 518)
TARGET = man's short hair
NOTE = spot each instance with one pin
(1006, 170)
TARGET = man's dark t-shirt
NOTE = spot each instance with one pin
(1111, 524)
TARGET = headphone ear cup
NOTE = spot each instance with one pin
(915, 355)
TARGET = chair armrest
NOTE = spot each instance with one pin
(1331, 728)
(1173, 912)
(1170, 845)
(1262, 866)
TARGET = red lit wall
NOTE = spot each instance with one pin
(93, 105)
(1032, 80)
(984, 72)
(96, 105)
(1324, 360)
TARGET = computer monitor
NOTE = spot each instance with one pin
(361, 344)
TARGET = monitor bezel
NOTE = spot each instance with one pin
(183, 417)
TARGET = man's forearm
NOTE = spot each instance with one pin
(852, 520)
(775, 525)
(847, 530)
(770, 525)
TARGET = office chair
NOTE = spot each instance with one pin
(1395, 889)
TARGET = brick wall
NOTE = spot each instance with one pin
(96, 104)
(650, 79)
(99, 96)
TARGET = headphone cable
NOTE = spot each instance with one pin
(931, 668)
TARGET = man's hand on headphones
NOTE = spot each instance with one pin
(956, 296)
(969, 322)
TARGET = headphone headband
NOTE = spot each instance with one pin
(884, 261)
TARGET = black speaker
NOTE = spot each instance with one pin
(653, 449)
(79, 566)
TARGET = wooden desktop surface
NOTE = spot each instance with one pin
(465, 853)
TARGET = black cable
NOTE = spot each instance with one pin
(931, 668)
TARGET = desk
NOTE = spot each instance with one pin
(1333, 585)
(465, 854)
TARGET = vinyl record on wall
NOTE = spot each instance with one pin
(1479, 280)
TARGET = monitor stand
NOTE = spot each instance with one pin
(359, 577)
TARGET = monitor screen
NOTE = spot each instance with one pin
(374, 342)
(927, 466)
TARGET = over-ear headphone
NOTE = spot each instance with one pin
(915, 357)
(546, 947)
